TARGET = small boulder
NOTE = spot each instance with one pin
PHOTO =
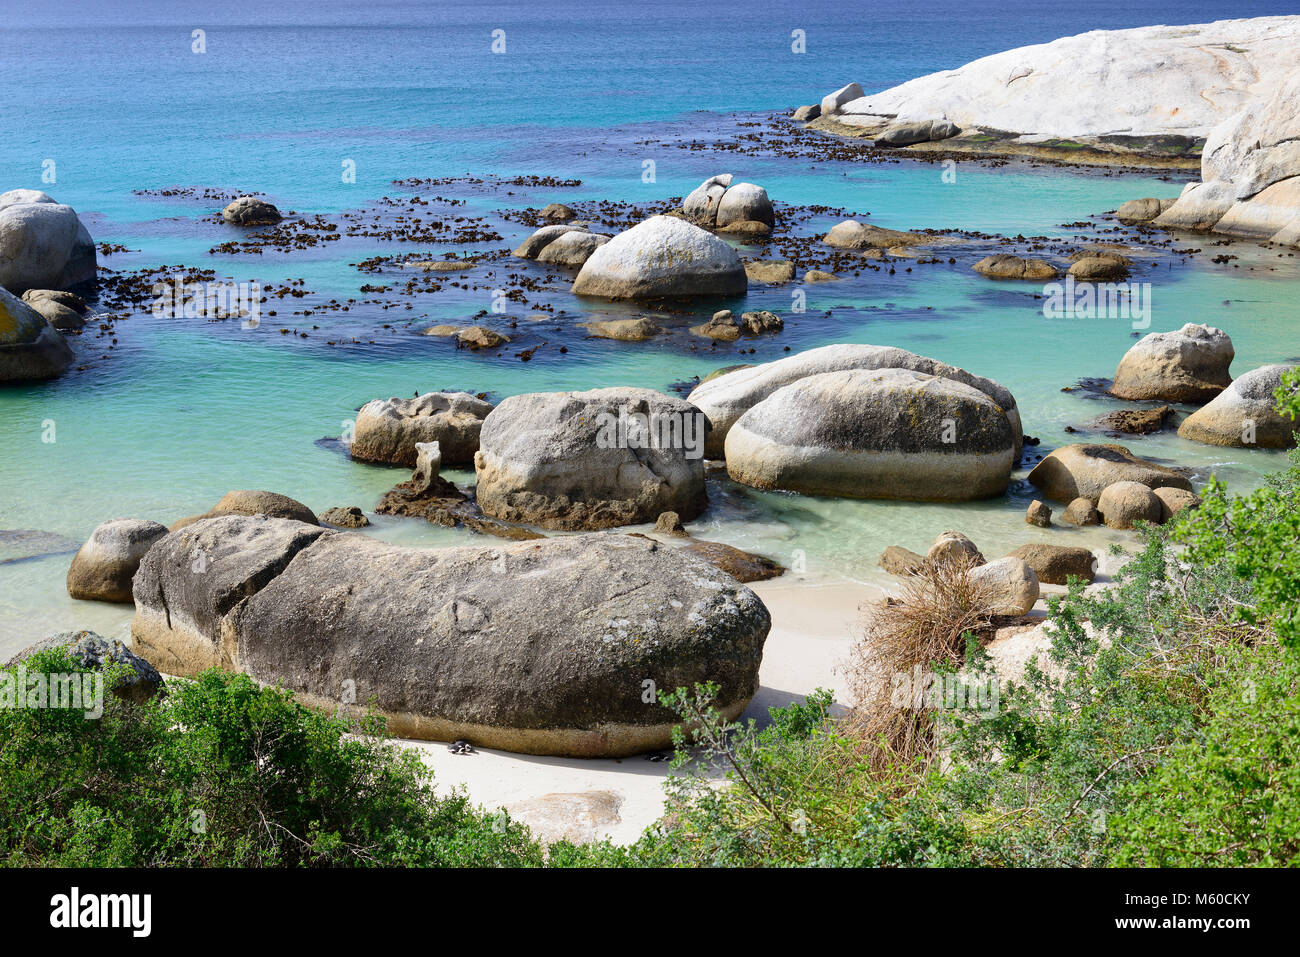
(772, 271)
(906, 134)
(1244, 415)
(1081, 511)
(900, 561)
(1086, 470)
(251, 211)
(1038, 514)
(806, 114)
(345, 517)
(558, 212)
(271, 504)
(1056, 564)
(1135, 421)
(103, 568)
(757, 323)
(670, 523)
(63, 310)
(1099, 269)
(721, 328)
(954, 547)
(624, 330)
(1013, 584)
(138, 685)
(387, 430)
(1174, 500)
(852, 234)
(819, 275)
(1124, 503)
(30, 348)
(1006, 266)
(479, 337)
(743, 566)
(1136, 211)
(1189, 365)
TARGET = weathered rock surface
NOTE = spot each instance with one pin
(805, 113)
(387, 430)
(663, 257)
(1174, 500)
(852, 234)
(625, 330)
(251, 211)
(561, 245)
(271, 504)
(1084, 471)
(103, 567)
(832, 102)
(1189, 365)
(1251, 161)
(348, 516)
(954, 548)
(63, 310)
(743, 566)
(888, 433)
(1123, 504)
(725, 399)
(43, 244)
(479, 337)
(139, 684)
(1244, 415)
(1014, 585)
(1142, 210)
(541, 647)
(1147, 82)
(30, 348)
(925, 131)
(901, 561)
(1054, 564)
(1081, 511)
(769, 270)
(1099, 269)
(557, 459)
(1038, 515)
(1135, 421)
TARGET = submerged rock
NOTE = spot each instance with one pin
(543, 647)
(625, 330)
(769, 270)
(1006, 266)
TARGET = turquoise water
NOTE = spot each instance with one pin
(185, 410)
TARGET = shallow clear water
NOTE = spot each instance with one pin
(185, 410)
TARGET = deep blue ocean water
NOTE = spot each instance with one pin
(114, 95)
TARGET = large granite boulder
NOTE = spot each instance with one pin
(589, 460)
(43, 244)
(547, 647)
(190, 581)
(1244, 415)
(103, 568)
(1144, 84)
(1189, 365)
(663, 257)
(30, 348)
(140, 682)
(884, 433)
(1085, 471)
(726, 398)
(745, 203)
(1250, 165)
(388, 430)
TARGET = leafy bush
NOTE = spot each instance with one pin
(224, 773)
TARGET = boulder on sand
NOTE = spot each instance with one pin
(663, 257)
(387, 430)
(590, 460)
(30, 348)
(901, 561)
(546, 647)
(103, 568)
(1013, 585)
(43, 244)
(886, 433)
(1083, 470)
(1244, 415)
(726, 398)
(952, 548)
(1189, 365)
